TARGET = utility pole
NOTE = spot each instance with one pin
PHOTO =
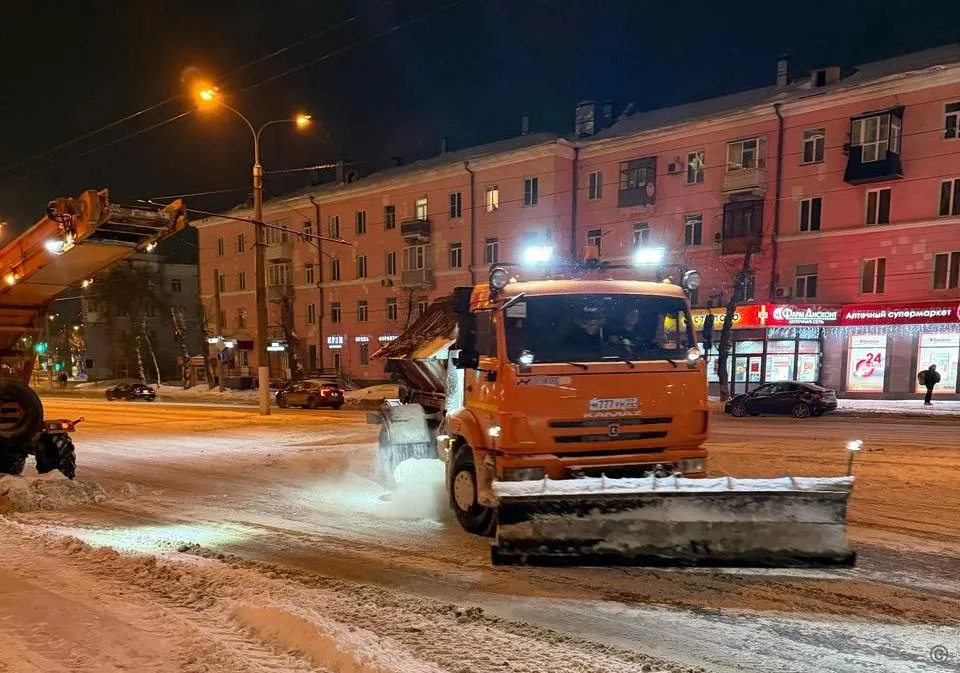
(263, 364)
(46, 339)
(219, 323)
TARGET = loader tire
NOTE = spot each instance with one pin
(12, 462)
(801, 410)
(56, 452)
(474, 517)
(22, 412)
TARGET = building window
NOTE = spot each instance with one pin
(361, 222)
(951, 121)
(875, 136)
(810, 214)
(420, 209)
(334, 269)
(867, 360)
(335, 312)
(389, 217)
(220, 247)
(362, 311)
(241, 318)
(641, 234)
(241, 280)
(873, 274)
(950, 197)
(361, 266)
(391, 308)
(456, 205)
(241, 243)
(531, 191)
(364, 354)
(307, 229)
(595, 239)
(176, 285)
(946, 270)
(813, 144)
(422, 306)
(456, 255)
(695, 167)
(744, 155)
(333, 226)
(308, 274)
(390, 263)
(806, 285)
(492, 198)
(221, 282)
(595, 186)
(638, 182)
(416, 257)
(491, 251)
(276, 232)
(278, 274)
(878, 206)
(692, 229)
(311, 314)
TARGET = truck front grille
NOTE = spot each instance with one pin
(604, 422)
(622, 437)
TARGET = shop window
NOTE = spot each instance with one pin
(873, 273)
(943, 350)
(946, 270)
(364, 354)
(866, 364)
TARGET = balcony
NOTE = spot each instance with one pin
(278, 292)
(417, 279)
(415, 230)
(887, 166)
(753, 180)
(737, 245)
(742, 226)
(280, 251)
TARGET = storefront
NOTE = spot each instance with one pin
(878, 349)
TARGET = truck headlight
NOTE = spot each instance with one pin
(692, 465)
(523, 473)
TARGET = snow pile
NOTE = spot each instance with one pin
(379, 392)
(668, 485)
(911, 407)
(53, 491)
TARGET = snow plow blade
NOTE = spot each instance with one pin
(789, 522)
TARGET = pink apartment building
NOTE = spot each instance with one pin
(845, 183)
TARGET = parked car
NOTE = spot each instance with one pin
(310, 394)
(798, 398)
(132, 391)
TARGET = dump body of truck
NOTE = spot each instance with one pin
(571, 415)
(77, 239)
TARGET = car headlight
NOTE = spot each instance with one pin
(523, 473)
(692, 465)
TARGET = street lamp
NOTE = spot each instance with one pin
(207, 95)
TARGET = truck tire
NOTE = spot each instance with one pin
(12, 462)
(23, 425)
(474, 517)
(56, 452)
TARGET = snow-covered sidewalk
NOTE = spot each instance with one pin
(900, 407)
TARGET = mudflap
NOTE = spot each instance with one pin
(404, 435)
(674, 522)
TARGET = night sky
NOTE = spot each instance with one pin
(468, 71)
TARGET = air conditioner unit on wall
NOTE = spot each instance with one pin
(783, 293)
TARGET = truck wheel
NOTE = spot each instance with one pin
(474, 517)
(56, 452)
(21, 413)
(12, 463)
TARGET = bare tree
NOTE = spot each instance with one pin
(737, 294)
(290, 334)
(205, 348)
(149, 344)
(180, 335)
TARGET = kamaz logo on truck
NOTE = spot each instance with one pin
(611, 407)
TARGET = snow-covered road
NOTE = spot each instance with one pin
(277, 552)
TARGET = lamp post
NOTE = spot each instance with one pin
(211, 95)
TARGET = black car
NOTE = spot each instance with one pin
(310, 394)
(131, 391)
(787, 397)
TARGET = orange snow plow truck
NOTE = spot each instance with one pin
(570, 411)
(77, 239)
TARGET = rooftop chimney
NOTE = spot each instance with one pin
(340, 177)
(443, 145)
(524, 125)
(783, 65)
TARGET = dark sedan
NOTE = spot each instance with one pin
(310, 394)
(132, 391)
(788, 397)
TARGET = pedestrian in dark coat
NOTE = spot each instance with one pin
(929, 378)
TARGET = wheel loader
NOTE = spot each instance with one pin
(569, 406)
(76, 239)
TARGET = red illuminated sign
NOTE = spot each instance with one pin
(909, 313)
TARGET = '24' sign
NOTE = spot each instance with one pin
(869, 365)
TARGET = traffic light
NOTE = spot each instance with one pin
(40, 347)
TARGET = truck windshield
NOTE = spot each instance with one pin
(598, 327)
